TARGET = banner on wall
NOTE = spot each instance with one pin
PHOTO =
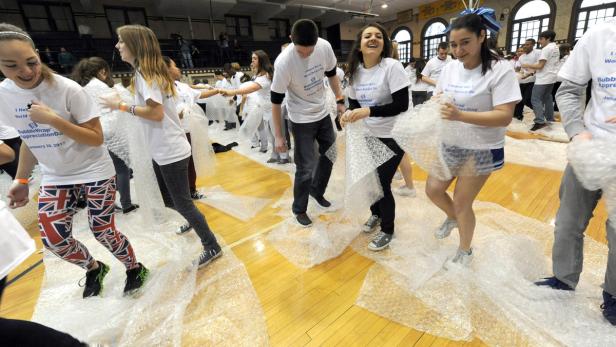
(439, 8)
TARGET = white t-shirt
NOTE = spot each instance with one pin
(561, 62)
(8, 133)
(473, 92)
(186, 96)
(594, 58)
(302, 79)
(419, 86)
(411, 72)
(530, 58)
(264, 93)
(166, 139)
(62, 159)
(373, 87)
(434, 68)
(235, 84)
(339, 74)
(551, 55)
(223, 83)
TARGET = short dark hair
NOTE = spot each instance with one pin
(532, 40)
(304, 33)
(217, 73)
(443, 45)
(548, 34)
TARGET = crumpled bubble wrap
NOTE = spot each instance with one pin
(15, 243)
(443, 148)
(114, 132)
(594, 164)
(494, 299)
(253, 116)
(202, 151)
(241, 207)
(220, 108)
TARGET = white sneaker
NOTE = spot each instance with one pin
(405, 191)
(462, 258)
(398, 175)
(445, 229)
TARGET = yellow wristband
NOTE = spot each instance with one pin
(22, 180)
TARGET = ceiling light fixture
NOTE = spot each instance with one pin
(384, 6)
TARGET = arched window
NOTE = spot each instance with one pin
(589, 13)
(529, 18)
(433, 34)
(404, 37)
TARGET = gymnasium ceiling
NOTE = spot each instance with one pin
(327, 12)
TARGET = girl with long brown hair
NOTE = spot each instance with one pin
(155, 107)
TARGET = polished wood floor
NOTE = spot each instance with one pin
(316, 306)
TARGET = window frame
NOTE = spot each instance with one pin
(237, 32)
(551, 17)
(277, 21)
(50, 19)
(427, 55)
(575, 15)
(125, 10)
(408, 45)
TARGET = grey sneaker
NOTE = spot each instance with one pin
(208, 255)
(380, 241)
(371, 224)
(462, 258)
(445, 229)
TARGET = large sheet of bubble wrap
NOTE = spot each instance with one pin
(537, 153)
(253, 117)
(553, 132)
(241, 207)
(219, 108)
(352, 188)
(202, 152)
(594, 164)
(495, 299)
(179, 304)
(15, 243)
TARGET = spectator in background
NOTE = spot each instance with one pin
(564, 49)
(186, 50)
(238, 51)
(66, 60)
(225, 51)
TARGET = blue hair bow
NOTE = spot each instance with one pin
(488, 17)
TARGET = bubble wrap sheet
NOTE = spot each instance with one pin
(495, 299)
(221, 108)
(594, 164)
(443, 148)
(253, 116)
(179, 305)
(202, 152)
(553, 132)
(241, 207)
(114, 132)
(352, 188)
(537, 153)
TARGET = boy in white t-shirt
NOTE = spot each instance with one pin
(299, 72)
(590, 61)
(434, 66)
(545, 77)
(526, 76)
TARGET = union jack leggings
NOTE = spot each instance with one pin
(56, 208)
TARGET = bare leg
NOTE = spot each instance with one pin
(407, 171)
(464, 194)
(437, 192)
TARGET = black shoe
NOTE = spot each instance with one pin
(538, 126)
(116, 207)
(94, 280)
(197, 195)
(553, 283)
(284, 161)
(131, 208)
(183, 229)
(321, 201)
(273, 160)
(263, 150)
(135, 278)
(208, 255)
(303, 220)
(609, 307)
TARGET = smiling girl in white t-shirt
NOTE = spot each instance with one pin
(58, 123)
(155, 108)
(378, 93)
(484, 91)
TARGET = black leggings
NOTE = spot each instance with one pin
(386, 207)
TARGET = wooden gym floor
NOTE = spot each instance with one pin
(316, 306)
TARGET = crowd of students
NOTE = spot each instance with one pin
(64, 126)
